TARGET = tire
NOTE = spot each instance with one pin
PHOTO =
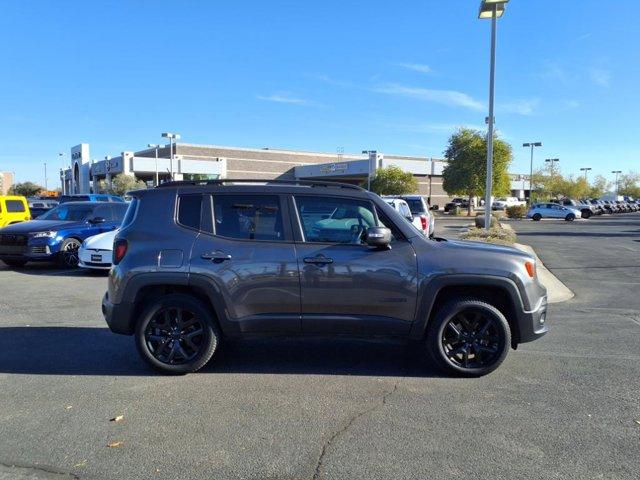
(570, 217)
(536, 217)
(68, 256)
(161, 339)
(586, 214)
(443, 342)
(15, 263)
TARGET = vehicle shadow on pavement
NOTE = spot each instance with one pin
(97, 351)
(52, 269)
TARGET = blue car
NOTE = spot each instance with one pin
(58, 234)
(91, 197)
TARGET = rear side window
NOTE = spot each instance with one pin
(416, 205)
(131, 212)
(248, 217)
(14, 206)
(190, 210)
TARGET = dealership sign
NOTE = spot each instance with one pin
(335, 168)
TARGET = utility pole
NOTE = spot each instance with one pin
(532, 145)
(617, 172)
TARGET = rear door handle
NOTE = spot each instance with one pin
(318, 260)
(216, 256)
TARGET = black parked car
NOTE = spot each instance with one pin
(195, 263)
(456, 202)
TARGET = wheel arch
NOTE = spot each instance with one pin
(497, 291)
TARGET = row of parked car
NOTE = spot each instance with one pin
(75, 230)
(570, 209)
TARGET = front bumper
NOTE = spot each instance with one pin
(533, 324)
(95, 259)
(118, 316)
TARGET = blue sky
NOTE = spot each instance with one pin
(393, 76)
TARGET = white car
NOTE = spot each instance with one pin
(421, 217)
(504, 202)
(96, 251)
(403, 209)
(553, 210)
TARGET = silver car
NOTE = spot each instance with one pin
(553, 210)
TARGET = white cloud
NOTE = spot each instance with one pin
(416, 67)
(450, 98)
(600, 76)
(284, 97)
(521, 107)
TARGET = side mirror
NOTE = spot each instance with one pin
(379, 237)
(96, 220)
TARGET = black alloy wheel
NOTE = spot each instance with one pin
(536, 217)
(570, 217)
(468, 337)
(177, 334)
(69, 252)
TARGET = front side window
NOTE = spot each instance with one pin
(69, 213)
(248, 217)
(14, 206)
(335, 220)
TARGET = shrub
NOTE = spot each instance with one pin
(501, 236)
(517, 211)
(479, 221)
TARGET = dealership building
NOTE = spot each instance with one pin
(193, 161)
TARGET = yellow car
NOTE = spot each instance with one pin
(13, 209)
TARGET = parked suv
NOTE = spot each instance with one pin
(197, 262)
(422, 216)
(13, 209)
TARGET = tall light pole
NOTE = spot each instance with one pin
(64, 179)
(171, 137)
(532, 145)
(585, 170)
(617, 172)
(492, 9)
(46, 180)
(156, 146)
(552, 164)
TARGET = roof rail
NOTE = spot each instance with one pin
(311, 183)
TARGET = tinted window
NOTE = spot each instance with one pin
(69, 212)
(119, 211)
(14, 206)
(131, 212)
(74, 198)
(416, 205)
(189, 210)
(335, 220)
(248, 217)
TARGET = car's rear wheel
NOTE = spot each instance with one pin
(586, 214)
(536, 217)
(468, 337)
(69, 252)
(570, 217)
(177, 334)
(15, 263)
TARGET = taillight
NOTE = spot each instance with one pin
(423, 219)
(119, 250)
(531, 268)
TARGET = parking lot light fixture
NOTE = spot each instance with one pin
(64, 180)
(617, 172)
(171, 137)
(585, 170)
(532, 145)
(156, 146)
(490, 9)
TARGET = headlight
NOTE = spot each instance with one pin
(49, 234)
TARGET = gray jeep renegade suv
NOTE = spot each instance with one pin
(197, 262)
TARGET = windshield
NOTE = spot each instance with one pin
(68, 213)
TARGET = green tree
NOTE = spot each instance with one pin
(28, 189)
(599, 186)
(393, 180)
(122, 184)
(466, 171)
(629, 184)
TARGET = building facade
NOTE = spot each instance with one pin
(6, 182)
(194, 161)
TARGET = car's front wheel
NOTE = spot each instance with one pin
(68, 256)
(177, 334)
(536, 217)
(468, 337)
(570, 217)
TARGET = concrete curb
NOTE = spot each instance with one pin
(557, 292)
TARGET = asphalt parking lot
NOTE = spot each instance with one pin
(566, 406)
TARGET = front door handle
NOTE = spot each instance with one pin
(320, 260)
(216, 257)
